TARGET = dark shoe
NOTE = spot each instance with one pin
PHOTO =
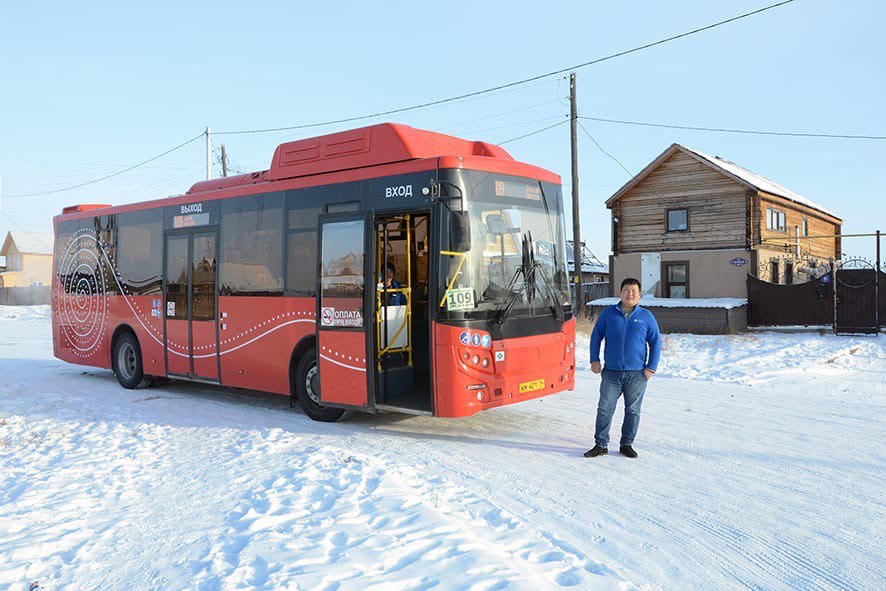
(627, 450)
(596, 451)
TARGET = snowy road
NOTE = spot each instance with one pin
(761, 467)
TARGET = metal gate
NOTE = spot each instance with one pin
(801, 304)
(856, 305)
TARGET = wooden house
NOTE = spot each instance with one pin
(694, 225)
(28, 260)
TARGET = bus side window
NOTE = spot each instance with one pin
(252, 245)
(139, 238)
(301, 250)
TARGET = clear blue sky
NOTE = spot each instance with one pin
(91, 88)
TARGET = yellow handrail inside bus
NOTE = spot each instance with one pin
(455, 275)
(406, 291)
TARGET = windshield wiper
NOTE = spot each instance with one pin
(527, 270)
(558, 306)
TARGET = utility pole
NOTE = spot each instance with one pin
(224, 161)
(208, 154)
(576, 220)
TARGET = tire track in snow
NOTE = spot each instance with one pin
(383, 524)
(744, 557)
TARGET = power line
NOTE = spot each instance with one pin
(511, 84)
(19, 226)
(514, 139)
(667, 201)
(479, 130)
(428, 104)
(596, 143)
(745, 131)
(119, 172)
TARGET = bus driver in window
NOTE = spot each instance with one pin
(395, 298)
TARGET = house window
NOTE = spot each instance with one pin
(775, 220)
(773, 271)
(805, 228)
(676, 279)
(678, 220)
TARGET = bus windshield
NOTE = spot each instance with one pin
(516, 266)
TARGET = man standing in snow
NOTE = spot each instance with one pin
(633, 348)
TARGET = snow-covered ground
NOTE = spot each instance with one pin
(761, 467)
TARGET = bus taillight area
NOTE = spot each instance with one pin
(474, 372)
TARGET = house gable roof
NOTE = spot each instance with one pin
(27, 243)
(737, 173)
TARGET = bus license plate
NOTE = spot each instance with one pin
(531, 386)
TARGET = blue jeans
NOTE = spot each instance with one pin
(615, 383)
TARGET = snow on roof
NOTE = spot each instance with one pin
(587, 267)
(28, 242)
(652, 302)
(761, 183)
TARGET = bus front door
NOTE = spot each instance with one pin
(190, 305)
(341, 309)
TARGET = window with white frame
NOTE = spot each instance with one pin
(775, 220)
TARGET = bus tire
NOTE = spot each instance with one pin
(127, 362)
(307, 390)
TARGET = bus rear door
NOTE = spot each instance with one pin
(190, 294)
(342, 326)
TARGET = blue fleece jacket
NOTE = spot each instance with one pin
(626, 339)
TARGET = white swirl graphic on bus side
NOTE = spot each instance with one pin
(82, 294)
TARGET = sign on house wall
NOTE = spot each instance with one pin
(650, 271)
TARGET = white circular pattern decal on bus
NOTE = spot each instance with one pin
(82, 294)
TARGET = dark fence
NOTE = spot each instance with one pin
(855, 308)
(856, 305)
(595, 291)
(590, 292)
(882, 298)
(803, 304)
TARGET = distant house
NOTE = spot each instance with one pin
(28, 259)
(694, 225)
(593, 270)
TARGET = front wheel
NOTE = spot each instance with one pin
(307, 390)
(127, 363)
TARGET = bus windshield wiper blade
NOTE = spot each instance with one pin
(512, 298)
(558, 306)
(527, 270)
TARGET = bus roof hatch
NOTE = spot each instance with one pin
(371, 146)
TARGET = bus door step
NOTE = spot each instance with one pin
(395, 382)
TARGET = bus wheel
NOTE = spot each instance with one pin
(307, 390)
(127, 362)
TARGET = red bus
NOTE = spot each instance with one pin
(379, 269)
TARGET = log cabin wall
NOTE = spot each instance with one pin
(818, 224)
(717, 209)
